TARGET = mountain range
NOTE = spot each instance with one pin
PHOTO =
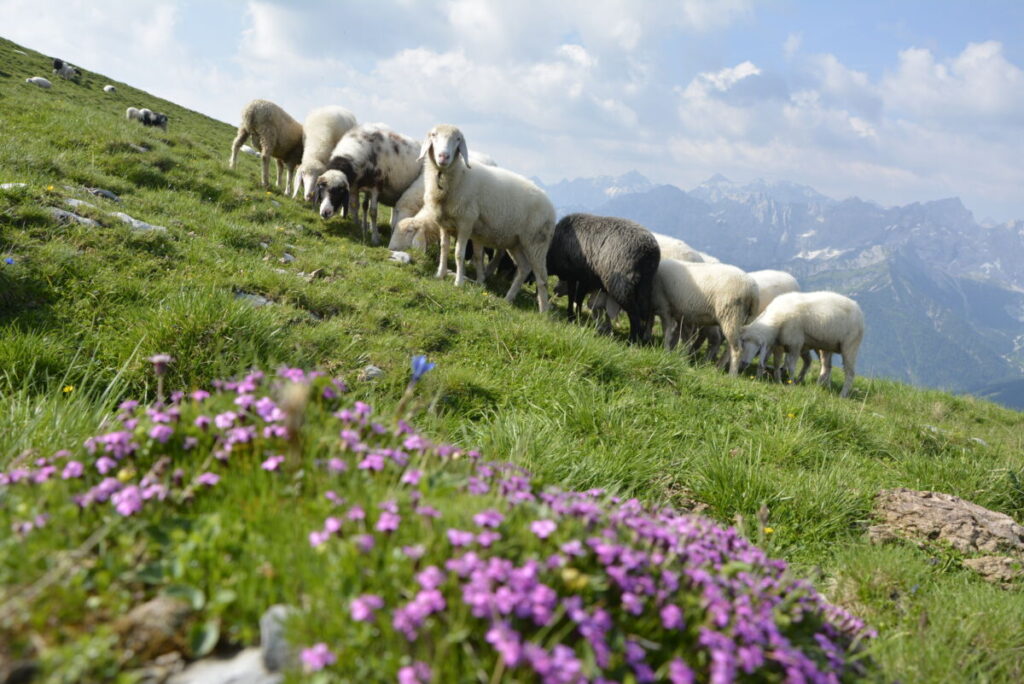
(943, 293)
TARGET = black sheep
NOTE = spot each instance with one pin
(616, 255)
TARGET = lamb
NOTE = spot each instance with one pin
(321, 131)
(704, 294)
(39, 81)
(65, 70)
(494, 207)
(109, 89)
(801, 321)
(275, 134)
(369, 157)
(615, 255)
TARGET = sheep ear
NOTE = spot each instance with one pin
(464, 151)
(427, 144)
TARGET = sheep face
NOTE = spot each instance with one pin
(332, 193)
(752, 348)
(443, 144)
(404, 235)
(309, 173)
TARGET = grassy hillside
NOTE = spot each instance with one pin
(81, 309)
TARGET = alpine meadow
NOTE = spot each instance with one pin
(230, 402)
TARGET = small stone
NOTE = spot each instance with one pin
(979, 440)
(371, 372)
(277, 653)
(12, 186)
(154, 628)
(250, 151)
(287, 258)
(254, 299)
(138, 148)
(76, 203)
(275, 203)
(264, 245)
(68, 217)
(246, 667)
(312, 275)
(401, 257)
(106, 194)
(137, 224)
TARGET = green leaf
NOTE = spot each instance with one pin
(192, 595)
(203, 637)
(224, 596)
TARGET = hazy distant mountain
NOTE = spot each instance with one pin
(583, 194)
(943, 294)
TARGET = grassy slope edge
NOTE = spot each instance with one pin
(83, 307)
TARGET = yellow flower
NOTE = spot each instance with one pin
(769, 530)
(68, 389)
(125, 474)
(268, 192)
(50, 188)
(791, 415)
(574, 579)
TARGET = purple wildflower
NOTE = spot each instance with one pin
(161, 433)
(387, 522)
(128, 501)
(72, 469)
(317, 658)
(459, 537)
(543, 528)
(225, 420)
(337, 465)
(364, 542)
(412, 477)
(362, 608)
(489, 518)
(417, 673)
(209, 479)
(272, 463)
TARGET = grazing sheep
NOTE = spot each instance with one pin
(615, 255)
(369, 157)
(147, 117)
(674, 248)
(109, 89)
(321, 131)
(65, 70)
(493, 207)
(275, 134)
(39, 81)
(801, 321)
(704, 294)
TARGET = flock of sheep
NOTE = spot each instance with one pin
(438, 190)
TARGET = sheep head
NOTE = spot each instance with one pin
(332, 193)
(443, 143)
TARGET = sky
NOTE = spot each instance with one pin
(894, 101)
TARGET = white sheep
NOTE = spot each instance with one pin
(493, 207)
(801, 321)
(39, 81)
(321, 131)
(371, 158)
(696, 294)
(109, 89)
(147, 117)
(275, 134)
(674, 248)
(770, 284)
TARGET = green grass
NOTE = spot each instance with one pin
(83, 308)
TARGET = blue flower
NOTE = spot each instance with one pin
(420, 366)
(9, 261)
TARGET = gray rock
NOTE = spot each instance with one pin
(275, 203)
(76, 203)
(254, 299)
(1001, 570)
(106, 194)
(68, 217)
(371, 372)
(401, 257)
(138, 148)
(13, 186)
(932, 516)
(287, 258)
(244, 668)
(276, 652)
(979, 440)
(154, 628)
(250, 151)
(137, 224)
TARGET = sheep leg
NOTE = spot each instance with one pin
(280, 170)
(522, 271)
(492, 265)
(291, 180)
(670, 329)
(538, 264)
(265, 176)
(825, 376)
(478, 264)
(805, 358)
(242, 136)
(374, 194)
(849, 361)
(442, 267)
(791, 356)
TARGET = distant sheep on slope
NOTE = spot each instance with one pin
(610, 254)
(321, 131)
(493, 207)
(147, 117)
(109, 89)
(65, 70)
(275, 134)
(39, 81)
(801, 321)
